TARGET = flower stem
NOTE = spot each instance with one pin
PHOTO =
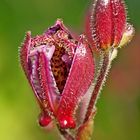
(101, 77)
(65, 134)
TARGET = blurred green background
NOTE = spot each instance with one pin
(118, 116)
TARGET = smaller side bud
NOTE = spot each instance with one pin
(107, 23)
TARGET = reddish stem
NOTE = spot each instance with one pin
(98, 85)
(65, 134)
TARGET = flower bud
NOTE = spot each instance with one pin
(60, 70)
(107, 23)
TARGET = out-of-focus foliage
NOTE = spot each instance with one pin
(118, 116)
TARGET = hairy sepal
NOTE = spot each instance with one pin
(80, 77)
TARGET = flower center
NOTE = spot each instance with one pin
(59, 68)
(62, 58)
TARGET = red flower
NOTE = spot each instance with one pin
(60, 70)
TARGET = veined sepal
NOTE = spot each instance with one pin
(79, 79)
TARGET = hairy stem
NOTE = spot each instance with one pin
(65, 134)
(104, 68)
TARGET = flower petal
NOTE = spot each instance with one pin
(47, 83)
(43, 86)
(44, 119)
(79, 79)
(25, 62)
(58, 26)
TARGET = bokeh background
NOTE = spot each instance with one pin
(118, 116)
